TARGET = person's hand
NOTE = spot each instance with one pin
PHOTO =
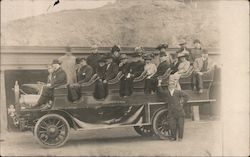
(104, 81)
(200, 73)
(83, 74)
(159, 82)
(48, 85)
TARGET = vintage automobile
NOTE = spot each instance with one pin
(146, 113)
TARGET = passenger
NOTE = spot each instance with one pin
(196, 52)
(200, 66)
(84, 72)
(115, 53)
(100, 91)
(176, 115)
(175, 63)
(112, 68)
(59, 78)
(183, 67)
(150, 69)
(93, 58)
(137, 64)
(126, 82)
(183, 48)
(68, 62)
(162, 48)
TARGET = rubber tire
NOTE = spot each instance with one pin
(44, 117)
(154, 122)
(138, 130)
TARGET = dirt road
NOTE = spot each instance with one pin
(200, 139)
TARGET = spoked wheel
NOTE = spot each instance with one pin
(145, 130)
(160, 124)
(51, 130)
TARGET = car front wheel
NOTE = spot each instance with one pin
(51, 130)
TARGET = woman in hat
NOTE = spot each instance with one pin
(115, 53)
(150, 69)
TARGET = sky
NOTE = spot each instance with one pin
(17, 9)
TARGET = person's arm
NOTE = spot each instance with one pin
(184, 97)
(60, 79)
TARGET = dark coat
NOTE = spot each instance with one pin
(174, 67)
(59, 78)
(137, 68)
(125, 68)
(161, 69)
(111, 71)
(92, 60)
(84, 74)
(174, 102)
(100, 71)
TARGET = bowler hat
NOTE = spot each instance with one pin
(123, 56)
(116, 48)
(182, 42)
(162, 45)
(56, 61)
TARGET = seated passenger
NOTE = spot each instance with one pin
(200, 66)
(126, 82)
(183, 67)
(161, 69)
(183, 47)
(150, 69)
(162, 49)
(196, 52)
(137, 64)
(59, 78)
(93, 58)
(115, 53)
(84, 71)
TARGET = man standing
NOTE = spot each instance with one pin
(84, 72)
(175, 100)
(93, 58)
(59, 78)
(68, 62)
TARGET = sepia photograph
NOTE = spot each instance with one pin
(124, 78)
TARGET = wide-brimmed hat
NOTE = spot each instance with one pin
(182, 42)
(147, 57)
(56, 61)
(197, 41)
(182, 54)
(123, 56)
(162, 54)
(162, 45)
(116, 48)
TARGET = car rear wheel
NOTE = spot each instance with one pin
(51, 130)
(160, 124)
(144, 130)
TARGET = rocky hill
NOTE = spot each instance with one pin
(128, 23)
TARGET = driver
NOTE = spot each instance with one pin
(58, 78)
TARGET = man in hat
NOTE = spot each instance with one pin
(150, 69)
(112, 68)
(201, 65)
(161, 69)
(126, 82)
(59, 78)
(183, 46)
(68, 62)
(84, 71)
(100, 91)
(196, 52)
(115, 53)
(175, 100)
(93, 58)
(137, 64)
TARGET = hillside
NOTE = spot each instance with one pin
(128, 23)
